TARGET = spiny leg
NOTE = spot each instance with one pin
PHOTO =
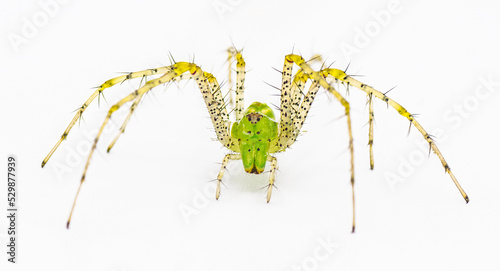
(97, 92)
(239, 105)
(125, 122)
(127, 119)
(340, 75)
(231, 52)
(303, 110)
(292, 94)
(272, 177)
(320, 78)
(216, 93)
(285, 124)
(297, 92)
(370, 129)
(218, 97)
(225, 161)
(177, 70)
(149, 85)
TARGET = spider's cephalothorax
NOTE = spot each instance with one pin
(255, 135)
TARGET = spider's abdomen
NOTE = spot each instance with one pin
(254, 133)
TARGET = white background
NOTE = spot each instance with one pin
(129, 216)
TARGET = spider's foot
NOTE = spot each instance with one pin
(217, 191)
(269, 192)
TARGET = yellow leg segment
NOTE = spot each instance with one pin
(231, 53)
(370, 129)
(320, 79)
(298, 84)
(297, 92)
(304, 108)
(342, 77)
(225, 161)
(218, 97)
(285, 125)
(239, 106)
(272, 176)
(125, 122)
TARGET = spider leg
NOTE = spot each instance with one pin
(305, 106)
(285, 124)
(216, 93)
(301, 102)
(239, 105)
(176, 71)
(297, 95)
(225, 161)
(299, 80)
(219, 99)
(285, 121)
(131, 111)
(293, 115)
(370, 129)
(272, 178)
(340, 75)
(97, 92)
(231, 52)
(125, 122)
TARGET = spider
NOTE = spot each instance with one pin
(256, 134)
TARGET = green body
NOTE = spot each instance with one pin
(254, 133)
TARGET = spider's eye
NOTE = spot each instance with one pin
(258, 132)
(249, 132)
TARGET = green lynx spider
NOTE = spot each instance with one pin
(255, 135)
